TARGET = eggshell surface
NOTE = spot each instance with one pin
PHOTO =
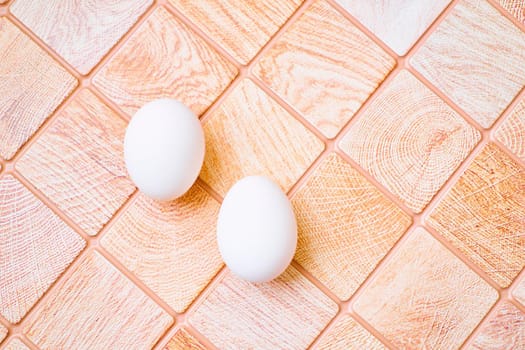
(256, 229)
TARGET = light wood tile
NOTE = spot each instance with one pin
(16, 344)
(82, 32)
(425, 298)
(516, 8)
(483, 215)
(326, 80)
(519, 291)
(287, 313)
(241, 27)
(164, 58)
(3, 333)
(349, 335)
(478, 66)
(410, 141)
(78, 162)
(250, 134)
(32, 85)
(35, 248)
(182, 340)
(345, 226)
(512, 131)
(98, 308)
(170, 246)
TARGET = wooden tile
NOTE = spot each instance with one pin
(478, 66)
(35, 248)
(16, 344)
(78, 162)
(410, 141)
(345, 226)
(3, 333)
(512, 132)
(250, 134)
(242, 28)
(287, 313)
(515, 7)
(164, 58)
(82, 32)
(398, 23)
(519, 291)
(32, 85)
(327, 81)
(170, 246)
(504, 330)
(349, 335)
(483, 215)
(97, 307)
(425, 298)
(182, 340)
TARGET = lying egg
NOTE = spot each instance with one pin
(164, 149)
(256, 229)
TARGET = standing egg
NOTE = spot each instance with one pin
(256, 229)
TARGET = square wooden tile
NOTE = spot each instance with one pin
(479, 67)
(182, 340)
(512, 132)
(32, 85)
(515, 7)
(170, 246)
(519, 291)
(425, 298)
(98, 307)
(327, 81)
(287, 313)
(250, 134)
(410, 140)
(505, 329)
(164, 58)
(16, 344)
(349, 335)
(78, 162)
(3, 333)
(35, 248)
(345, 226)
(398, 23)
(82, 32)
(483, 215)
(240, 27)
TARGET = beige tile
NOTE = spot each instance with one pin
(164, 58)
(287, 313)
(512, 132)
(32, 85)
(327, 81)
(182, 340)
(97, 307)
(519, 291)
(16, 344)
(345, 226)
(483, 215)
(349, 335)
(35, 248)
(241, 27)
(3, 333)
(410, 140)
(515, 7)
(170, 246)
(478, 66)
(82, 32)
(425, 298)
(398, 23)
(504, 330)
(250, 134)
(78, 162)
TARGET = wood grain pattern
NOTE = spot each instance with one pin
(398, 23)
(250, 134)
(241, 27)
(82, 32)
(516, 8)
(35, 248)
(164, 58)
(345, 226)
(16, 344)
(425, 298)
(3, 333)
(164, 244)
(475, 57)
(78, 162)
(519, 292)
(512, 132)
(349, 335)
(97, 308)
(32, 85)
(326, 80)
(410, 141)
(182, 340)
(483, 215)
(505, 330)
(286, 313)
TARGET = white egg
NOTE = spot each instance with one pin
(164, 149)
(256, 229)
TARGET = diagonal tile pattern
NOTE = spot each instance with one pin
(349, 335)
(16, 344)
(519, 291)
(515, 8)
(512, 132)
(182, 340)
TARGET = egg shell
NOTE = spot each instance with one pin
(256, 229)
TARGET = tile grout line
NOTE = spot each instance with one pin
(505, 13)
